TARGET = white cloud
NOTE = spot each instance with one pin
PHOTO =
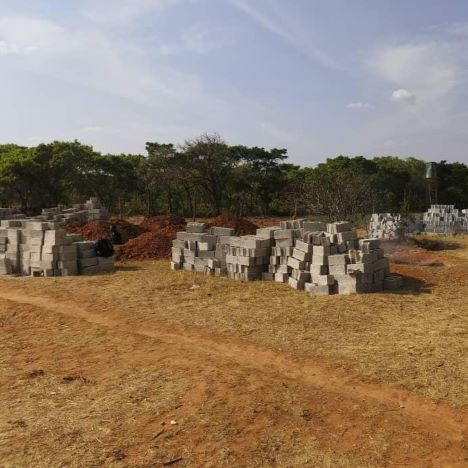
(275, 21)
(358, 105)
(430, 69)
(20, 35)
(403, 95)
(7, 48)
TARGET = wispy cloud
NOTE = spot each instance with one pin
(358, 105)
(197, 39)
(296, 36)
(119, 12)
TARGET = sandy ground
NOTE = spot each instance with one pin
(141, 368)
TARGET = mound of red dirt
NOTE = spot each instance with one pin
(154, 244)
(157, 242)
(93, 230)
(242, 226)
(155, 223)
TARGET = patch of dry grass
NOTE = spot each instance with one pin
(415, 338)
(76, 399)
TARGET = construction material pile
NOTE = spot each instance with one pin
(385, 226)
(93, 230)
(446, 219)
(247, 257)
(5, 213)
(284, 240)
(241, 226)
(91, 210)
(202, 249)
(319, 258)
(155, 244)
(38, 248)
(393, 226)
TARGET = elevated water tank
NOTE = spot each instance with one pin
(431, 170)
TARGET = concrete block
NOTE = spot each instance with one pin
(301, 255)
(222, 231)
(196, 227)
(313, 226)
(90, 270)
(321, 250)
(315, 290)
(392, 282)
(295, 264)
(87, 262)
(266, 233)
(281, 277)
(340, 259)
(303, 246)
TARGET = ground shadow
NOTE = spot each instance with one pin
(434, 245)
(413, 287)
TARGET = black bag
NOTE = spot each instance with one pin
(104, 248)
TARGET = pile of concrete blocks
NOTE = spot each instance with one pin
(5, 213)
(393, 226)
(92, 210)
(282, 261)
(248, 257)
(88, 263)
(201, 249)
(40, 248)
(385, 226)
(320, 258)
(445, 219)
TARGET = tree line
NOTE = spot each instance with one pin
(206, 176)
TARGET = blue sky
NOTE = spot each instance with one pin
(318, 77)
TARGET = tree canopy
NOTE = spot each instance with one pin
(206, 176)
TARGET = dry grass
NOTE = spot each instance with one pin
(67, 392)
(415, 338)
(97, 392)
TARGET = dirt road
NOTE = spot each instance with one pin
(234, 403)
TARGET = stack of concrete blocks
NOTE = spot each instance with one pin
(40, 248)
(5, 213)
(393, 226)
(445, 219)
(95, 210)
(283, 238)
(79, 213)
(362, 270)
(201, 249)
(88, 263)
(248, 257)
(51, 251)
(10, 232)
(326, 259)
(385, 226)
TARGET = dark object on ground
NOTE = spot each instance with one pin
(104, 248)
(116, 238)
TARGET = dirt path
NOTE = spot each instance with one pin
(382, 425)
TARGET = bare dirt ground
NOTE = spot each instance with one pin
(94, 369)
